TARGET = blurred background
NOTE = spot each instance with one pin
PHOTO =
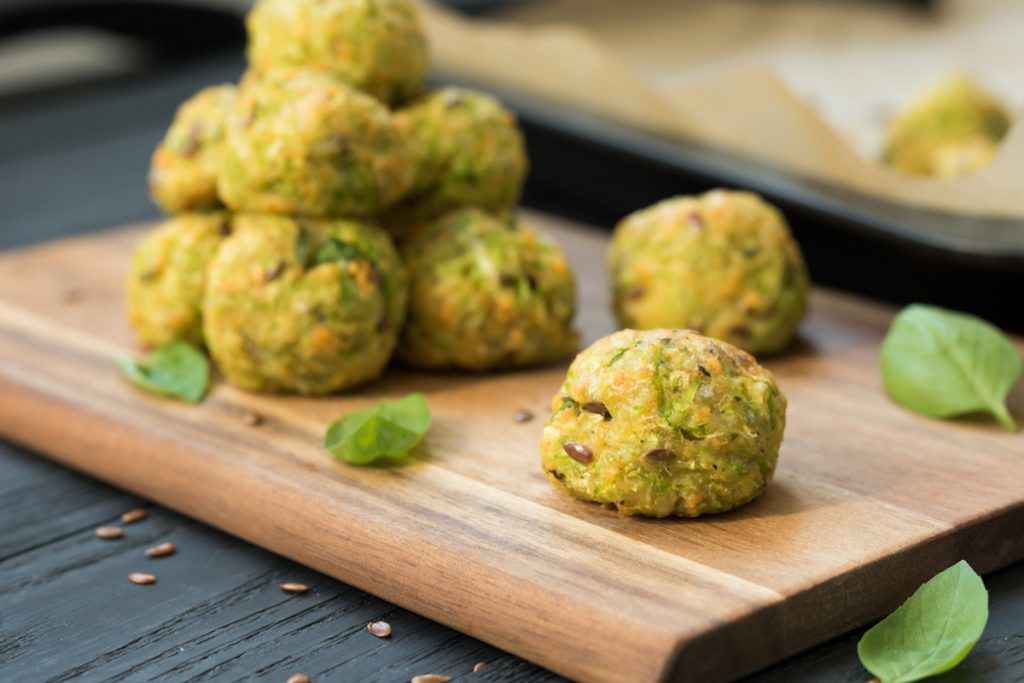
(87, 88)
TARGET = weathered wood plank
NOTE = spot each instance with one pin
(39, 507)
(68, 613)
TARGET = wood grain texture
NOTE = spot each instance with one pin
(869, 500)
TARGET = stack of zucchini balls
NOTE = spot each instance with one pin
(289, 192)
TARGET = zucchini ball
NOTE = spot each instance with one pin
(951, 129)
(485, 294)
(376, 46)
(184, 167)
(303, 306)
(302, 142)
(723, 264)
(664, 423)
(168, 277)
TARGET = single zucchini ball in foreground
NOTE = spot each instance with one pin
(485, 294)
(664, 422)
(303, 306)
(168, 277)
(377, 46)
(183, 170)
(466, 150)
(302, 142)
(723, 264)
(951, 129)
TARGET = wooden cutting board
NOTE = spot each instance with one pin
(869, 500)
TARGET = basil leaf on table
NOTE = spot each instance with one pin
(943, 364)
(389, 429)
(178, 370)
(931, 632)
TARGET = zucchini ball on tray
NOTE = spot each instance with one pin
(485, 294)
(951, 129)
(303, 306)
(376, 46)
(723, 264)
(466, 150)
(183, 170)
(168, 277)
(664, 423)
(302, 142)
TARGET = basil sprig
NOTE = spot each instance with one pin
(943, 364)
(177, 370)
(931, 632)
(387, 430)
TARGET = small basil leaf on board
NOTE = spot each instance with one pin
(931, 632)
(178, 370)
(943, 364)
(388, 430)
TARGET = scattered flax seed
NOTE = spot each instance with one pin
(478, 666)
(578, 452)
(140, 579)
(298, 678)
(597, 408)
(109, 533)
(381, 629)
(660, 455)
(191, 146)
(274, 272)
(431, 678)
(523, 415)
(73, 295)
(695, 220)
(162, 550)
(135, 515)
(636, 293)
(741, 331)
(294, 587)
(252, 419)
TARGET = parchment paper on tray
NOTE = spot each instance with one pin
(744, 108)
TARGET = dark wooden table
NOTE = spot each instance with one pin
(77, 162)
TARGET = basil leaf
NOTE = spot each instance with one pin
(177, 370)
(943, 364)
(931, 632)
(389, 430)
